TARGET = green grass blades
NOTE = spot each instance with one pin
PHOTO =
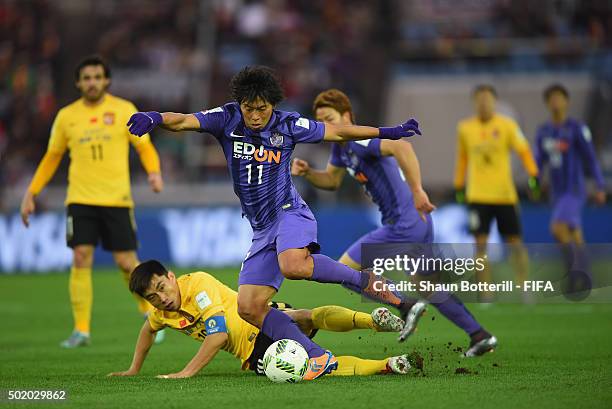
(549, 356)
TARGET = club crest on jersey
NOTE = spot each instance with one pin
(248, 151)
(276, 139)
(108, 118)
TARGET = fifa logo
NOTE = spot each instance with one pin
(248, 151)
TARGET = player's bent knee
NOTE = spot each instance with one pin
(252, 312)
(83, 257)
(294, 268)
(126, 262)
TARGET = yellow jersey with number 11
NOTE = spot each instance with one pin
(98, 140)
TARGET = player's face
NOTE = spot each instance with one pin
(92, 82)
(256, 114)
(484, 103)
(331, 116)
(557, 102)
(163, 293)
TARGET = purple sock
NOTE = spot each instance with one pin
(327, 270)
(454, 310)
(278, 325)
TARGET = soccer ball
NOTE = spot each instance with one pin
(285, 361)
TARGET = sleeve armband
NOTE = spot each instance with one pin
(215, 324)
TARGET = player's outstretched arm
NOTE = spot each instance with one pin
(342, 133)
(145, 340)
(144, 122)
(461, 164)
(45, 171)
(210, 346)
(408, 162)
(328, 179)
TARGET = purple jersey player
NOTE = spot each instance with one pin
(257, 141)
(564, 144)
(390, 174)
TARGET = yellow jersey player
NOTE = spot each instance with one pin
(484, 144)
(99, 202)
(205, 309)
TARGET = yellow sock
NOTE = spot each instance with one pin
(351, 365)
(81, 298)
(143, 305)
(340, 319)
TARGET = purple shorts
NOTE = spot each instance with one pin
(567, 209)
(415, 231)
(294, 229)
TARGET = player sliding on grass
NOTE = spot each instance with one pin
(202, 307)
(389, 171)
(258, 141)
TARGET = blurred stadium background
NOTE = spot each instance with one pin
(395, 59)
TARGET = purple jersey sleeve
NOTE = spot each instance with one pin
(585, 145)
(369, 147)
(335, 157)
(304, 130)
(212, 121)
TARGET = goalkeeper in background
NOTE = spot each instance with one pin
(483, 178)
(99, 201)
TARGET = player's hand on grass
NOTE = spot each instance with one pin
(144, 122)
(460, 196)
(156, 182)
(27, 208)
(178, 375)
(422, 203)
(405, 130)
(534, 188)
(600, 197)
(299, 167)
(123, 373)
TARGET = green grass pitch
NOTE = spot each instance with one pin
(550, 356)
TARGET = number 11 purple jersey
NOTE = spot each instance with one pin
(259, 162)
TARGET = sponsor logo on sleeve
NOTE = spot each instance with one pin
(203, 300)
(586, 133)
(303, 123)
(364, 142)
(210, 111)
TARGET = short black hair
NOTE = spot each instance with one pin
(551, 89)
(484, 87)
(92, 60)
(143, 273)
(256, 81)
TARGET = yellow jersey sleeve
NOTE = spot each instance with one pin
(518, 142)
(58, 141)
(206, 297)
(520, 145)
(460, 161)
